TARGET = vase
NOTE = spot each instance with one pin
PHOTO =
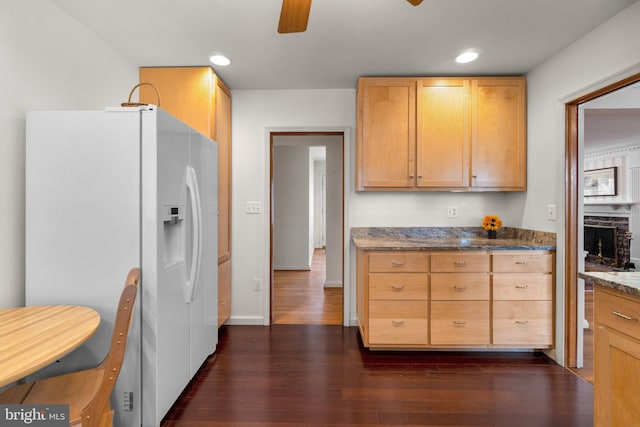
(492, 234)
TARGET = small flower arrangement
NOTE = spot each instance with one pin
(491, 223)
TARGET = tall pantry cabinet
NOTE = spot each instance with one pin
(198, 97)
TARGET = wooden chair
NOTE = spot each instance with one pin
(86, 392)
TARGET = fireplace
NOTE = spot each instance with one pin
(600, 242)
(604, 239)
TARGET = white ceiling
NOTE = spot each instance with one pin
(345, 38)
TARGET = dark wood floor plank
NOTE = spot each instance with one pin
(321, 376)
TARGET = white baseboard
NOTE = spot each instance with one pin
(333, 284)
(292, 267)
(245, 320)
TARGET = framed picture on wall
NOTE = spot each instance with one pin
(601, 182)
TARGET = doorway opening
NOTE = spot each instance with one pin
(306, 227)
(577, 301)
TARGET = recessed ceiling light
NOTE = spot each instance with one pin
(468, 56)
(219, 59)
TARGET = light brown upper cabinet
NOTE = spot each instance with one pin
(441, 134)
(198, 97)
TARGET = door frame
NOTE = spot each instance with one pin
(572, 203)
(346, 287)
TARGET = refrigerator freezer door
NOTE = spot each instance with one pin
(165, 367)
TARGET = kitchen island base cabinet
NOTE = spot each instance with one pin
(617, 359)
(409, 299)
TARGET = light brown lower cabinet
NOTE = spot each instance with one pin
(224, 292)
(616, 359)
(452, 299)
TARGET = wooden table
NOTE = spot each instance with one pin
(33, 337)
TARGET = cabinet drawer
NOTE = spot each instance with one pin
(460, 286)
(398, 286)
(519, 286)
(398, 322)
(522, 263)
(459, 262)
(381, 262)
(617, 313)
(459, 322)
(526, 323)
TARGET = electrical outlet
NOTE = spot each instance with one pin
(254, 208)
(452, 212)
(552, 212)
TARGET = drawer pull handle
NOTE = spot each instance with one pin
(459, 322)
(397, 287)
(522, 286)
(460, 288)
(397, 322)
(624, 316)
(522, 262)
(397, 263)
(459, 263)
(522, 322)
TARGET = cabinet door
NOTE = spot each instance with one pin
(498, 134)
(617, 368)
(386, 134)
(443, 133)
(185, 92)
(222, 135)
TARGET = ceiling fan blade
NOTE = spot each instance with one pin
(294, 16)
(415, 2)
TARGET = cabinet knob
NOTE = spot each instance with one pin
(397, 287)
(459, 263)
(459, 287)
(521, 262)
(459, 323)
(410, 176)
(522, 286)
(397, 263)
(397, 322)
(522, 322)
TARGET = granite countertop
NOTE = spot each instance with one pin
(450, 238)
(627, 282)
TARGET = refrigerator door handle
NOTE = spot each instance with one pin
(196, 241)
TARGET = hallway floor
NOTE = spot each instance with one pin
(300, 298)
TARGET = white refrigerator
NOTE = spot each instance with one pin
(120, 188)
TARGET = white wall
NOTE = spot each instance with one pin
(49, 62)
(319, 224)
(291, 207)
(607, 54)
(333, 213)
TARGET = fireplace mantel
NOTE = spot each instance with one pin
(620, 204)
(622, 208)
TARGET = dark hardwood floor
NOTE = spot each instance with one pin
(320, 376)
